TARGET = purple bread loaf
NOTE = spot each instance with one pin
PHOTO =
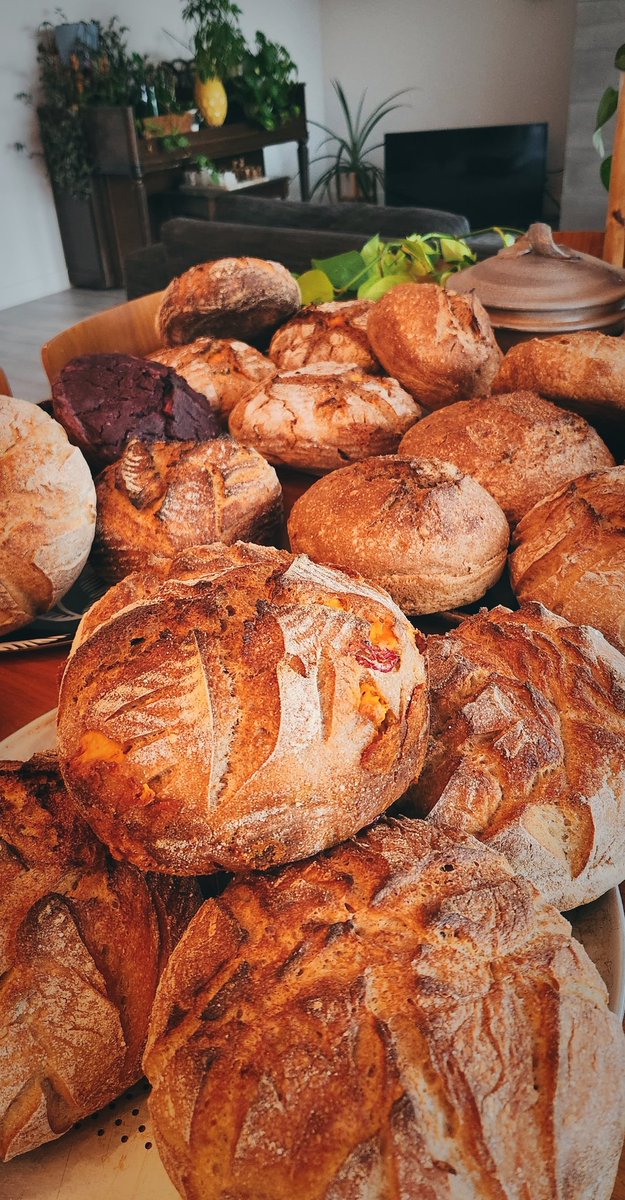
(103, 399)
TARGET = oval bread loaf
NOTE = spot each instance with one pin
(334, 332)
(223, 369)
(584, 371)
(244, 298)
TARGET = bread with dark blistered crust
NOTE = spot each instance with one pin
(584, 371)
(246, 709)
(518, 446)
(439, 345)
(432, 536)
(527, 747)
(245, 298)
(223, 369)
(323, 416)
(401, 1018)
(83, 940)
(161, 497)
(569, 553)
(334, 332)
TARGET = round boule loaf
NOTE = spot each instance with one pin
(433, 537)
(527, 747)
(83, 940)
(400, 1017)
(438, 344)
(245, 709)
(323, 416)
(244, 298)
(334, 332)
(517, 445)
(222, 369)
(584, 371)
(569, 553)
(161, 497)
(47, 512)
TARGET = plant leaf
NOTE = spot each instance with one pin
(605, 171)
(315, 287)
(379, 287)
(341, 269)
(607, 107)
(619, 58)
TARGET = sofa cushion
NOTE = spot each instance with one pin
(346, 217)
(189, 240)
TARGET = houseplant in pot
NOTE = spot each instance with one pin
(218, 47)
(350, 172)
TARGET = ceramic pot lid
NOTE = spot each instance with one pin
(537, 276)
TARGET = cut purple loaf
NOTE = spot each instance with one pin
(103, 399)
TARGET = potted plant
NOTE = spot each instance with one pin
(265, 87)
(350, 172)
(218, 47)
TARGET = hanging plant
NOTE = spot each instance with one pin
(264, 88)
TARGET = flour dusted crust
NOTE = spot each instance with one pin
(402, 1017)
(47, 512)
(323, 416)
(584, 371)
(223, 369)
(244, 298)
(517, 445)
(421, 529)
(83, 941)
(334, 332)
(246, 709)
(161, 497)
(527, 747)
(438, 344)
(569, 553)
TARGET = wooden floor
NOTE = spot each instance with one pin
(24, 329)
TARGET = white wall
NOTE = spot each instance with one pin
(470, 62)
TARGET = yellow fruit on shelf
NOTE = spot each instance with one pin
(211, 99)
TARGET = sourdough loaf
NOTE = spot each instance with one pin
(527, 747)
(584, 371)
(439, 345)
(334, 332)
(245, 709)
(419, 528)
(569, 553)
(47, 512)
(161, 497)
(323, 416)
(400, 1017)
(83, 940)
(222, 369)
(244, 298)
(517, 445)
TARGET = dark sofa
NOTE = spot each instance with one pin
(287, 231)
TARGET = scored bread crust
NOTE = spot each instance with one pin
(439, 345)
(161, 497)
(399, 1018)
(428, 534)
(243, 298)
(47, 512)
(223, 369)
(83, 941)
(527, 747)
(246, 709)
(333, 332)
(569, 553)
(584, 371)
(517, 445)
(323, 416)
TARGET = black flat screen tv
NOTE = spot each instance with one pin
(494, 175)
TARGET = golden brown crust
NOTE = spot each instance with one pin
(421, 529)
(334, 332)
(47, 512)
(242, 298)
(223, 369)
(584, 371)
(439, 345)
(400, 1018)
(517, 445)
(161, 497)
(83, 941)
(527, 747)
(247, 709)
(569, 553)
(323, 416)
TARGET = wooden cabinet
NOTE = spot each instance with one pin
(137, 180)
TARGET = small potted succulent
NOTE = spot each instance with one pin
(218, 47)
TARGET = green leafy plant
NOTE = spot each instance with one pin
(350, 151)
(207, 166)
(608, 105)
(174, 141)
(380, 266)
(264, 89)
(218, 43)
